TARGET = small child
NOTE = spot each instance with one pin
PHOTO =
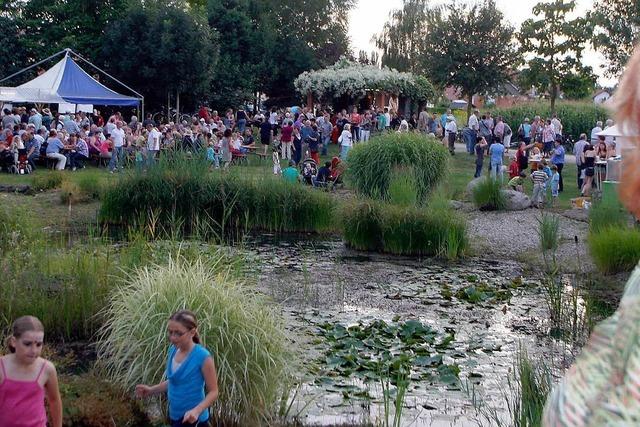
(26, 379)
(275, 157)
(517, 182)
(212, 157)
(539, 179)
(547, 170)
(514, 169)
(139, 159)
(555, 183)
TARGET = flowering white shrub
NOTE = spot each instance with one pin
(355, 80)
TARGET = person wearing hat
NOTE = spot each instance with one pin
(451, 132)
(524, 131)
(35, 118)
(47, 118)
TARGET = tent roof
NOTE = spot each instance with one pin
(66, 82)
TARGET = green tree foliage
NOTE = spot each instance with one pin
(469, 47)
(48, 26)
(244, 64)
(309, 34)
(617, 31)
(160, 49)
(12, 50)
(555, 40)
(580, 84)
(402, 36)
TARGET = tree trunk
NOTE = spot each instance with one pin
(554, 95)
(469, 106)
(177, 106)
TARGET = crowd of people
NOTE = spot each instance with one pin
(31, 138)
(540, 152)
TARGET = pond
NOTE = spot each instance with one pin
(362, 323)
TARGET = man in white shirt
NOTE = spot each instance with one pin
(578, 148)
(595, 131)
(471, 133)
(451, 133)
(153, 144)
(117, 136)
(557, 125)
(609, 140)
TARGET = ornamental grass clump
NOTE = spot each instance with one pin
(615, 249)
(382, 227)
(371, 165)
(488, 195)
(240, 329)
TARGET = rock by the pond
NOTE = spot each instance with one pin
(516, 201)
(456, 204)
(473, 184)
(20, 188)
(577, 214)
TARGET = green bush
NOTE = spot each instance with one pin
(371, 165)
(488, 195)
(614, 248)
(605, 214)
(246, 337)
(374, 226)
(185, 198)
(46, 180)
(576, 117)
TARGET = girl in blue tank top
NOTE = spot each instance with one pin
(190, 368)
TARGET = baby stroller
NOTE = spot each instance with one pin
(22, 167)
(7, 161)
(308, 169)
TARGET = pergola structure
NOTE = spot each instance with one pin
(380, 87)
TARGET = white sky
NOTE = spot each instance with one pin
(369, 16)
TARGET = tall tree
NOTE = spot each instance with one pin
(48, 26)
(579, 84)
(309, 34)
(12, 49)
(469, 47)
(161, 49)
(555, 40)
(402, 36)
(617, 31)
(246, 44)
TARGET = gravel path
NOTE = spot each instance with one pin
(514, 235)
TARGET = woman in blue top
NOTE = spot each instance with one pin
(189, 368)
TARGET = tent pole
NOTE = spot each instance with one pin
(34, 65)
(177, 106)
(105, 73)
(142, 111)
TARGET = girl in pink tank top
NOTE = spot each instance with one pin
(26, 379)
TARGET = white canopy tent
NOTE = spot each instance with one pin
(66, 84)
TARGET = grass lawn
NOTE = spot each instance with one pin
(463, 166)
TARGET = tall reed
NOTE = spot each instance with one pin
(182, 196)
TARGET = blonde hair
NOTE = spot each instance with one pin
(627, 105)
(24, 324)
